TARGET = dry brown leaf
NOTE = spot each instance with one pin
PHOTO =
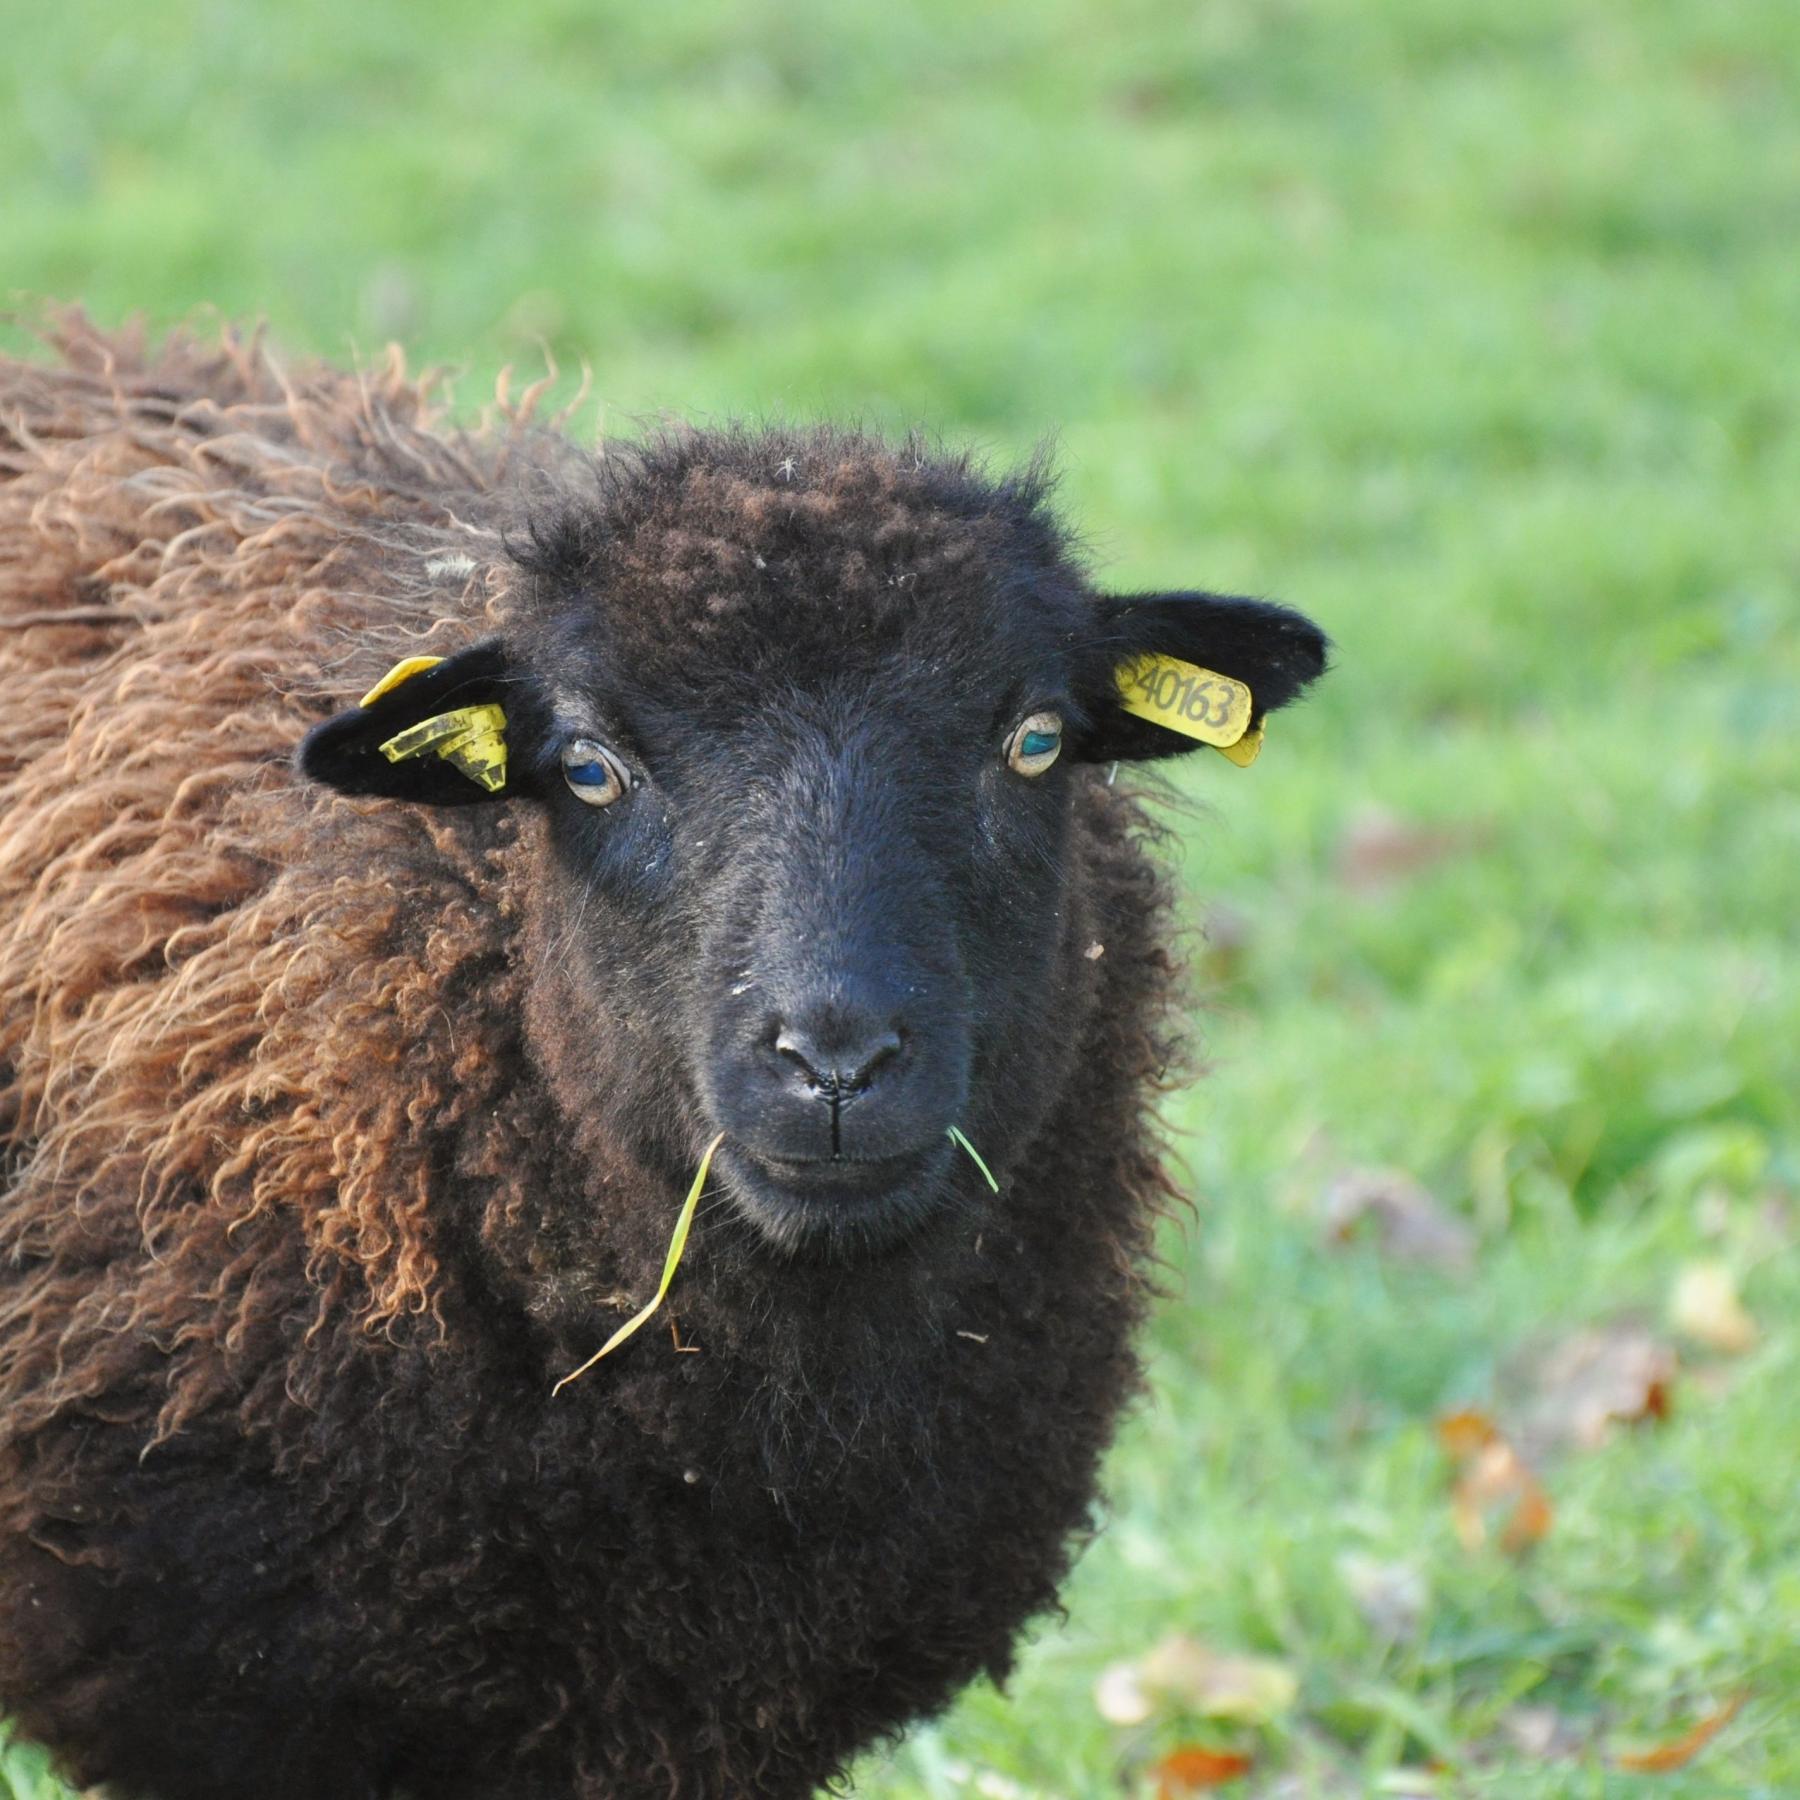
(1681, 1751)
(1496, 1496)
(1581, 1385)
(1465, 1432)
(1193, 1768)
(1532, 1517)
(1705, 1308)
(1407, 1223)
(1218, 1685)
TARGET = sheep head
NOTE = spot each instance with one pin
(799, 721)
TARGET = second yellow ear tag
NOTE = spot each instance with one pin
(470, 738)
(1247, 749)
(1199, 703)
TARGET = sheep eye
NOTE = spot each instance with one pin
(593, 773)
(1035, 743)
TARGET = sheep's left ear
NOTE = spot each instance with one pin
(432, 730)
(1169, 673)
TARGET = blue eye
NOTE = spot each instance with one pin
(593, 773)
(1035, 743)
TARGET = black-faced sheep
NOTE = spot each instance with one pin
(336, 1126)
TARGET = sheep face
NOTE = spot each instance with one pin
(799, 728)
(832, 903)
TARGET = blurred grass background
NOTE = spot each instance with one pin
(1469, 327)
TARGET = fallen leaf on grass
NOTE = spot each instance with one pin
(1218, 1685)
(1499, 1490)
(1120, 1697)
(1496, 1496)
(1681, 1751)
(1583, 1384)
(1407, 1222)
(1705, 1308)
(1191, 1768)
(1465, 1432)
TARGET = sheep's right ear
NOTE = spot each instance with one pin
(432, 730)
(1167, 673)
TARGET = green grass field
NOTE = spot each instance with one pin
(1472, 328)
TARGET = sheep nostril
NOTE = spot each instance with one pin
(844, 1068)
(881, 1050)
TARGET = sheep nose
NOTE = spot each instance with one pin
(839, 1063)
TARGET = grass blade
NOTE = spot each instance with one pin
(987, 1174)
(671, 1262)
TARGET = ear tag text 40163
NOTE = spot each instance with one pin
(1199, 703)
(472, 739)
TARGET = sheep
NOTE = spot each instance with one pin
(348, 1102)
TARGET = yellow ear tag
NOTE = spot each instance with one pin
(1247, 749)
(1199, 703)
(401, 671)
(471, 738)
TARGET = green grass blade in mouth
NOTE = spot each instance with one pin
(987, 1174)
(671, 1262)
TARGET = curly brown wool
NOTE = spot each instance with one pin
(305, 1198)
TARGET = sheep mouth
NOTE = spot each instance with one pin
(837, 1207)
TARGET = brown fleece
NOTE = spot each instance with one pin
(284, 1507)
